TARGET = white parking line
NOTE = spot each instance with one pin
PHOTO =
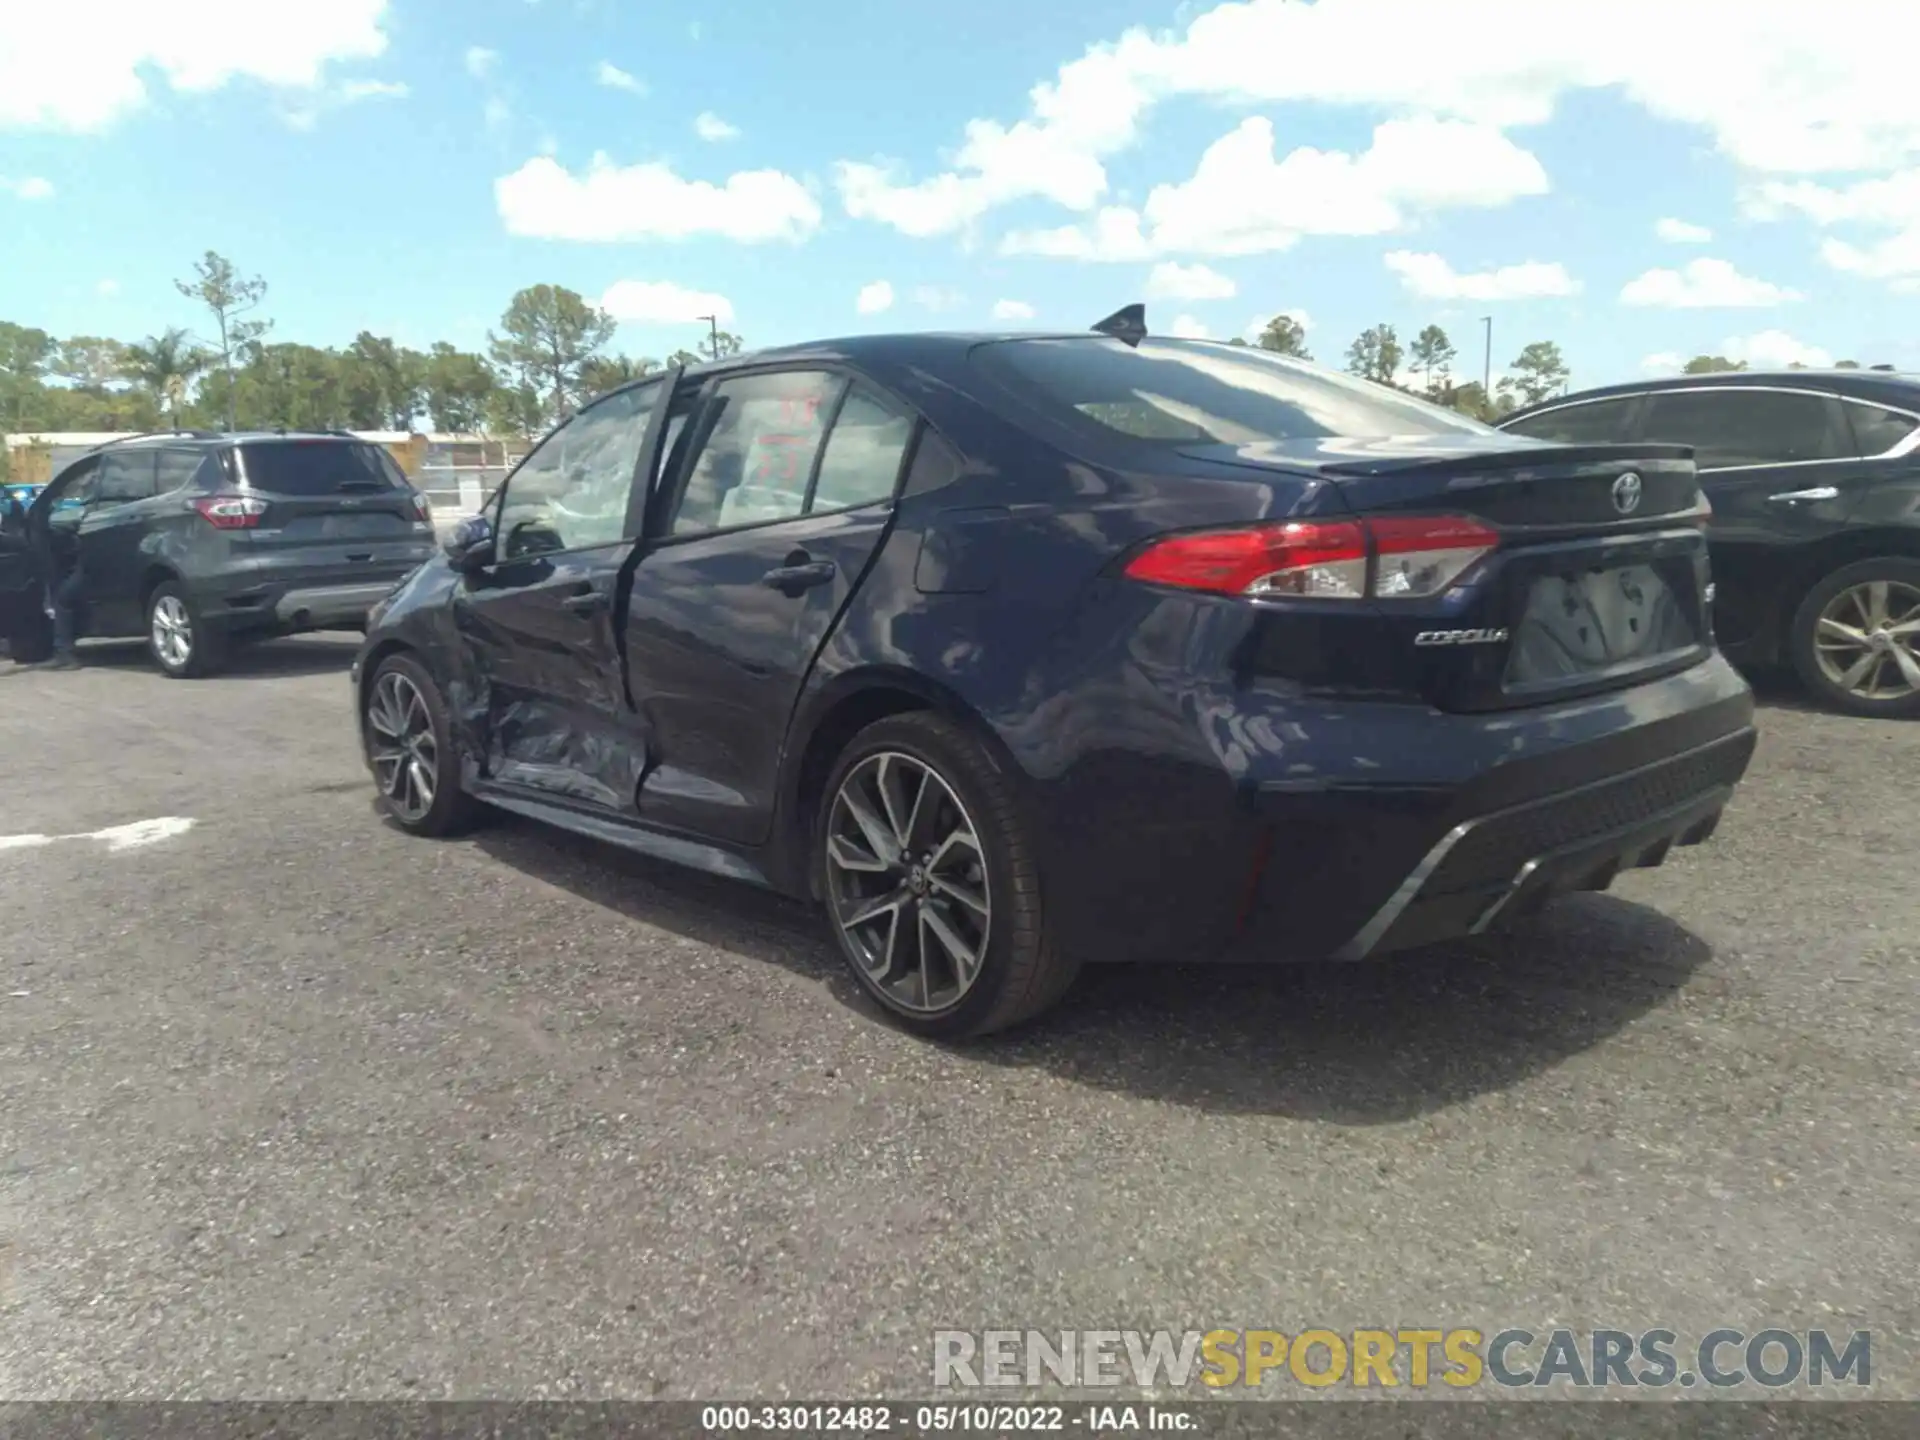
(117, 837)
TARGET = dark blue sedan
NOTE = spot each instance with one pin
(1022, 652)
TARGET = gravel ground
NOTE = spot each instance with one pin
(294, 1106)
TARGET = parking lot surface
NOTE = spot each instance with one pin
(292, 1105)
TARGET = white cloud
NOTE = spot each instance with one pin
(1173, 281)
(1703, 285)
(306, 114)
(614, 78)
(1241, 200)
(30, 187)
(1775, 350)
(938, 297)
(1682, 232)
(81, 67)
(1114, 235)
(107, 289)
(873, 298)
(709, 126)
(1432, 278)
(1779, 95)
(1664, 363)
(1896, 259)
(481, 61)
(661, 302)
(611, 202)
(1186, 327)
(1012, 310)
(1890, 203)
(354, 90)
(1892, 200)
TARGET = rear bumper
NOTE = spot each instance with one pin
(295, 605)
(1500, 865)
(1286, 827)
(329, 605)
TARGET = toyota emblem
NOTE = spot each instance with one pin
(1626, 493)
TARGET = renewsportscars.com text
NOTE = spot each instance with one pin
(1725, 1359)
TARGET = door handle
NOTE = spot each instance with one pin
(588, 604)
(1795, 497)
(792, 579)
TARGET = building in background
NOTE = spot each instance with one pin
(455, 472)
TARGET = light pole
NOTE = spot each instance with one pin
(713, 326)
(1486, 374)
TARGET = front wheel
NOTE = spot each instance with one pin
(409, 748)
(931, 884)
(1855, 639)
(181, 643)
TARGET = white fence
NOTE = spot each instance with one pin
(457, 474)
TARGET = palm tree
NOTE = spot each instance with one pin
(166, 364)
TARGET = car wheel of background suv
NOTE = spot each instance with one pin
(183, 647)
(931, 883)
(409, 747)
(1855, 639)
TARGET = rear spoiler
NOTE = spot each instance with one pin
(1639, 453)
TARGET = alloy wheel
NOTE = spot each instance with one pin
(907, 882)
(1867, 640)
(401, 745)
(172, 632)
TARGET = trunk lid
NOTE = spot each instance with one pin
(333, 505)
(1596, 576)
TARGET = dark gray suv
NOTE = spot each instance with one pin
(197, 541)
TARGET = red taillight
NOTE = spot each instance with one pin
(422, 506)
(1290, 559)
(1412, 556)
(230, 512)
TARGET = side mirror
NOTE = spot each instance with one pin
(470, 546)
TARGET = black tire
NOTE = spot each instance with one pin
(1022, 970)
(1802, 636)
(206, 647)
(452, 810)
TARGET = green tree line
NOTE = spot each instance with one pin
(1537, 373)
(548, 353)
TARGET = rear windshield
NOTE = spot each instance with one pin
(318, 467)
(1186, 392)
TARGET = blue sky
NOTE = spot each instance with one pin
(404, 166)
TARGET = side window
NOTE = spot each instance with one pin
(125, 475)
(1876, 431)
(176, 469)
(1746, 427)
(571, 493)
(1596, 422)
(865, 448)
(763, 432)
(934, 465)
(73, 492)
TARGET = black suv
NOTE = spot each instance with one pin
(1814, 478)
(198, 540)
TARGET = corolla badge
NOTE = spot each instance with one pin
(1460, 637)
(1626, 493)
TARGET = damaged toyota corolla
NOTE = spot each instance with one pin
(1018, 652)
